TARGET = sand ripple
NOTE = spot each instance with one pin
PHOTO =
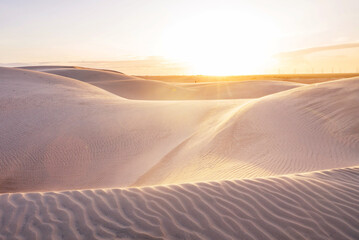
(319, 205)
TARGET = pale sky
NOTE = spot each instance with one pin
(150, 37)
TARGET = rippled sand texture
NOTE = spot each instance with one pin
(229, 160)
(321, 205)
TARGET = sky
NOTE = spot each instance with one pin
(178, 37)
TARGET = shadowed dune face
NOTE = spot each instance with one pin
(136, 88)
(20, 82)
(88, 75)
(320, 205)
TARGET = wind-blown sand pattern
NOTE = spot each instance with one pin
(321, 205)
(230, 160)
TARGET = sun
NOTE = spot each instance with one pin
(221, 43)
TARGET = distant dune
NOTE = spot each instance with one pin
(136, 88)
(98, 154)
(295, 78)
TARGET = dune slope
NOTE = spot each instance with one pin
(120, 84)
(321, 205)
(60, 133)
(305, 129)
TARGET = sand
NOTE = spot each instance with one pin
(321, 205)
(140, 89)
(300, 130)
(98, 154)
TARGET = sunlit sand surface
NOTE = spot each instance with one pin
(98, 154)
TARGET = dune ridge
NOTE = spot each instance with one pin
(319, 205)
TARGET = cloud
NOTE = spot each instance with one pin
(306, 51)
(320, 59)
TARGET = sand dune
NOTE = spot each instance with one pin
(200, 169)
(60, 133)
(87, 74)
(123, 85)
(321, 205)
(136, 88)
(304, 129)
(58, 136)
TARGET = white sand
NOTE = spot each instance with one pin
(60, 131)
